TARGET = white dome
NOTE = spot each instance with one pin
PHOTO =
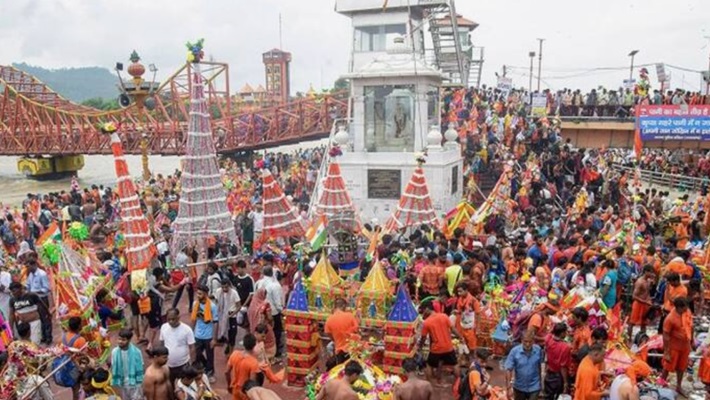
(450, 135)
(342, 137)
(433, 138)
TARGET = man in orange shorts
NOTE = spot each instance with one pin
(641, 299)
(677, 341)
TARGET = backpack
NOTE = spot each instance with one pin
(578, 256)
(626, 272)
(519, 326)
(68, 374)
(464, 390)
(7, 236)
(697, 275)
(33, 229)
(597, 224)
(44, 219)
(660, 292)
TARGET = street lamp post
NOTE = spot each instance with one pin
(532, 57)
(539, 64)
(139, 92)
(632, 54)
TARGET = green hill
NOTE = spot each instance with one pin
(76, 84)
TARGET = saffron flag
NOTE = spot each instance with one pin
(317, 234)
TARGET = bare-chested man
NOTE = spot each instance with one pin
(256, 392)
(415, 388)
(340, 389)
(156, 384)
(641, 299)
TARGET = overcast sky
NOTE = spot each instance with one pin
(580, 36)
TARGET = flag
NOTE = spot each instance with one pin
(317, 234)
(51, 233)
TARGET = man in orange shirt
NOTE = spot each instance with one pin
(539, 323)
(241, 367)
(588, 385)
(677, 341)
(678, 265)
(431, 278)
(439, 328)
(340, 326)
(674, 289)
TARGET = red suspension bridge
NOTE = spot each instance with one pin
(36, 121)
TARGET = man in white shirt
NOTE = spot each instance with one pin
(5, 295)
(258, 217)
(212, 279)
(275, 298)
(179, 339)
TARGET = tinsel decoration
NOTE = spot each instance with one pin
(78, 231)
(421, 158)
(335, 151)
(50, 253)
(194, 51)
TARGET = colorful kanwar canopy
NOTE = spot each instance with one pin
(298, 301)
(324, 276)
(403, 309)
(76, 282)
(415, 206)
(203, 205)
(140, 248)
(376, 282)
(280, 217)
(334, 197)
(498, 201)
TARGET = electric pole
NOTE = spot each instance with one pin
(532, 57)
(539, 64)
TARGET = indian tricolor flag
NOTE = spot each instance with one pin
(317, 234)
(52, 233)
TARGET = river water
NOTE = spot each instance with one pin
(98, 170)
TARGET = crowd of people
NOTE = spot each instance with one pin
(571, 226)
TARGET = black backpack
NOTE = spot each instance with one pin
(578, 256)
(465, 391)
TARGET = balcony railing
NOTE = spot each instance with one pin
(667, 180)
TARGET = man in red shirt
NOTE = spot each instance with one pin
(559, 357)
(439, 328)
(341, 325)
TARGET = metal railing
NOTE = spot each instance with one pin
(667, 180)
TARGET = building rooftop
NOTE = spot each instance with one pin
(246, 89)
(460, 20)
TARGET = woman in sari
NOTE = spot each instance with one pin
(260, 312)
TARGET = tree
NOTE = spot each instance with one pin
(340, 85)
(101, 104)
